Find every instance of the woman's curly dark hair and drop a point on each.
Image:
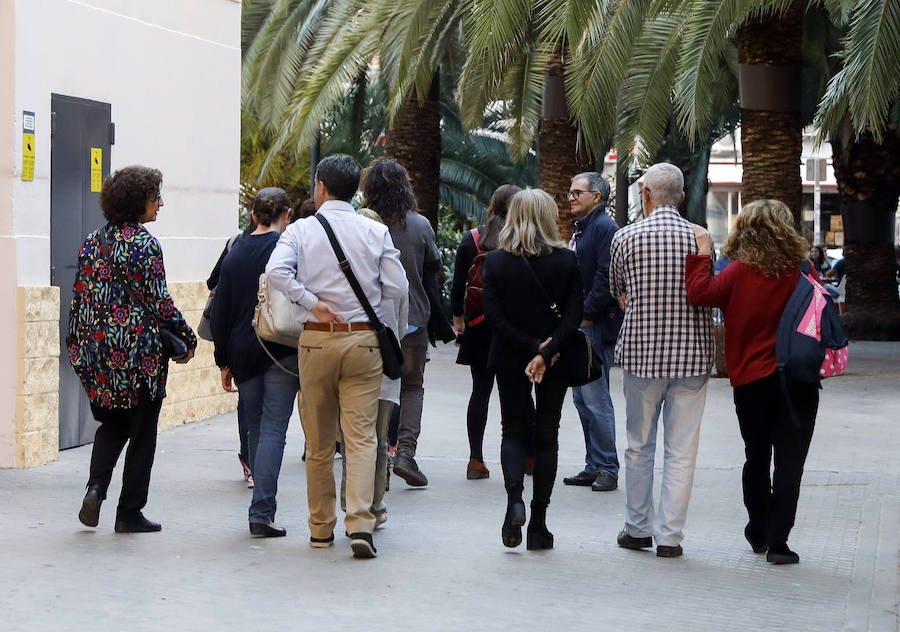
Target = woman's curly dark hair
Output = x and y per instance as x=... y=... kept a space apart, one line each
x=270 y=204
x=126 y=192
x=388 y=192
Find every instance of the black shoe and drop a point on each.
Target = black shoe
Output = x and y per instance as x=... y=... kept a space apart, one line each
x=757 y=546
x=511 y=532
x=406 y=468
x=90 y=507
x=605 y=482
x=538 y=536
x=362 y=546
x=137 y=525
x=781 y=554
x=669 y=551
x=267 y=530
x=630 y=542
x=321 y=543
x=582 y=479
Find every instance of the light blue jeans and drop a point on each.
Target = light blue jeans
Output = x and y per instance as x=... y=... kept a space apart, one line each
x=595 y=408
x=681 y=401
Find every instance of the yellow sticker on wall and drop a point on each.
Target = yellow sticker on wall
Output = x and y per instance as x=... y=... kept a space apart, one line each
x=27 y=157
x=96 y=169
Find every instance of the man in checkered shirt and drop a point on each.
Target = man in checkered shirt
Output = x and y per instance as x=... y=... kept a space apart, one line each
x=666 y=351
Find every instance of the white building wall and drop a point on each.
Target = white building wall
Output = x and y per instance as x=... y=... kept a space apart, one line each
x=171 y=71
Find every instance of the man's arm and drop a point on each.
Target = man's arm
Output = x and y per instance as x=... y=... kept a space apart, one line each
x=391 y=273
x=282 y=270
x=617 y=267
x=599 y=298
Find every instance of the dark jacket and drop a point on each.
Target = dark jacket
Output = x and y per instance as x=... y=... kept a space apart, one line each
x=593 y=236
x=519 y=315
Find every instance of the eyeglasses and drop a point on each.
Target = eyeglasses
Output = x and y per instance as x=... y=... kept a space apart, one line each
x=159 y=200
x=574 y=193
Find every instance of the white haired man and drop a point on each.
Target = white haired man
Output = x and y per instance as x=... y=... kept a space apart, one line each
x=666 y=351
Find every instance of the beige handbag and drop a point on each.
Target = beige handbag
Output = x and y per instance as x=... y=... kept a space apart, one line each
x=276 y=318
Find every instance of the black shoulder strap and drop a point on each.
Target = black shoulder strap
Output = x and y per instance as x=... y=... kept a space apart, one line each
x=553 y=306
x=348 y=272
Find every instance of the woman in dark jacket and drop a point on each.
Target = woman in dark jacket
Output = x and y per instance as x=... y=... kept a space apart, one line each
x=527 y=338
x=114 y=342
x=752 y=292
x=475 y=332
x=266 y=376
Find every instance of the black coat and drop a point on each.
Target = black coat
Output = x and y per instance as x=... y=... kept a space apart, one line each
x=519 y=314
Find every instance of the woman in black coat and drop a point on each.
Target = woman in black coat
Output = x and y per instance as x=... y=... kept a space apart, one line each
x=470 y=324
x=531 y=265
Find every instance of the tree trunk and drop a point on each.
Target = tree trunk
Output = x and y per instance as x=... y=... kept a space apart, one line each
x=769 y=54
x=558 y=159
x=868 y=177
x=415 y=142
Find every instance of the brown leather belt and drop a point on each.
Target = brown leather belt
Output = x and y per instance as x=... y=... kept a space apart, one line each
x=343 y=327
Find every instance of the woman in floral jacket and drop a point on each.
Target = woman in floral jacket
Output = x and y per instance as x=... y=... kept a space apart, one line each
x=114 y=342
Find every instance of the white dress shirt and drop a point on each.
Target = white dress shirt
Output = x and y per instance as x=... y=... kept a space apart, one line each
x=303 y=265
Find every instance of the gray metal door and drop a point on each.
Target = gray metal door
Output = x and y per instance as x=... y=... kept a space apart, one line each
x=78 y=127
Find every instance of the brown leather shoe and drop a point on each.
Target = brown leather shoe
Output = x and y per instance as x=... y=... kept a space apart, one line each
x=477 y=469
x=668 y=551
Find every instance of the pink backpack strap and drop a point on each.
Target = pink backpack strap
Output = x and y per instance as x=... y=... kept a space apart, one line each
x=474 y=232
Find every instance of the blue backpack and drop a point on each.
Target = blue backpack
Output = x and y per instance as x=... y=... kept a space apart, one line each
x=810 y=343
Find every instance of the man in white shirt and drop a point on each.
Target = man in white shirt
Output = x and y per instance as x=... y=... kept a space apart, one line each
x=339 y=356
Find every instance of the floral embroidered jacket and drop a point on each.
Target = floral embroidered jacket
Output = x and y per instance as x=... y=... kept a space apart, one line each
x=113 y=344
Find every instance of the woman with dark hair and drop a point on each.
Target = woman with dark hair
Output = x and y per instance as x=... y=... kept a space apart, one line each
x=388 y=192
x=533 y=302
x=266 y=376
x=121 y=302
x=819 y=259
x=470 y=325
x=752 y=291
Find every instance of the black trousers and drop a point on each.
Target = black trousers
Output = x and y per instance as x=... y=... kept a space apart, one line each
x=477 y=412
x=768 y=426
x=523 y=418
x=137 y=427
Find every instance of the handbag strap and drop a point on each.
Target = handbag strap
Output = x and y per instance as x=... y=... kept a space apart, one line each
x=553 y=306
x=348 y=272
x=273 y=358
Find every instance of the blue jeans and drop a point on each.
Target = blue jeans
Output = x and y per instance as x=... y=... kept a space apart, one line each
x=268 y=403
x=595 y=408
x=681 y=401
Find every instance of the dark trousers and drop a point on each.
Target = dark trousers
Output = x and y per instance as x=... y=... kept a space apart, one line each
x=137 y=427
x=476 y=414
x=520 y=417
x=767 y=425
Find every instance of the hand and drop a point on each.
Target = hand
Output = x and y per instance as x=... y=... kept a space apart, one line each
x=459 y=325
x=227 y=382
x=187 y=358
x=704 y=241
x=622 y=298
x=324 y=314
x=535 y=369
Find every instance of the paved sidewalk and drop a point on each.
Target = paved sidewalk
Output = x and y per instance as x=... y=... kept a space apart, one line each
x=441 y=565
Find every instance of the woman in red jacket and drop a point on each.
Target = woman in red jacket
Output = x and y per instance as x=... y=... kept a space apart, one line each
x=752 y=292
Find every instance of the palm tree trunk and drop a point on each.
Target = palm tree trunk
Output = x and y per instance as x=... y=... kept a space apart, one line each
x=769 y=54
x=558 y=158
x=415 y=142
x=868 y=177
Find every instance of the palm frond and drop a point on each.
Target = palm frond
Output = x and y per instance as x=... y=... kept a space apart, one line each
x=524 y=87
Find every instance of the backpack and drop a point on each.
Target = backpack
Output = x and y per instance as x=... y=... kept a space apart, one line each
x=810 y=343
x=475 y=285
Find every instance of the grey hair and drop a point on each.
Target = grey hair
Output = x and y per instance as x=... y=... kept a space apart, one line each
x=596 y=182
x=665 y=182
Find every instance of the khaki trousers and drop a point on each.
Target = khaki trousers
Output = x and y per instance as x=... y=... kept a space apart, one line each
x=341 y=383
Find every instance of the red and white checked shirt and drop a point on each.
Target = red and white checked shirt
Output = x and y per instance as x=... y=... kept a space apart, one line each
x=663 y=335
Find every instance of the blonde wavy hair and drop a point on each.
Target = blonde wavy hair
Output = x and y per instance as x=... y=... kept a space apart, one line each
x=530 y=227
x=764 y=238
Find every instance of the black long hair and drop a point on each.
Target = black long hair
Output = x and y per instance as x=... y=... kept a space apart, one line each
x=497 y=209
x=388 y=191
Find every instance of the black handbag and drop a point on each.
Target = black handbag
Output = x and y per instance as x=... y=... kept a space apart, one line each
x=577 y=356
x=172 y=345
x=391 y=355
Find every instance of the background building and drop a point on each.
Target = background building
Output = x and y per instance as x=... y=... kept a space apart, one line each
x=88 y=86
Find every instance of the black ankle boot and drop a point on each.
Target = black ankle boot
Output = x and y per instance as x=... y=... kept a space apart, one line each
x=511 y=533
x=538 y=536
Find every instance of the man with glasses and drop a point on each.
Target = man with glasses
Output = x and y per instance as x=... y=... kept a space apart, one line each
x=591 y=238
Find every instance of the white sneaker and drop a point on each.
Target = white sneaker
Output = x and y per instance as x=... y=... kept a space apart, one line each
x=380 y=519
x=250 y=482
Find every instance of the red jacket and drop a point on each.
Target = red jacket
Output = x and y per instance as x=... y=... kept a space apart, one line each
x=752 y=305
